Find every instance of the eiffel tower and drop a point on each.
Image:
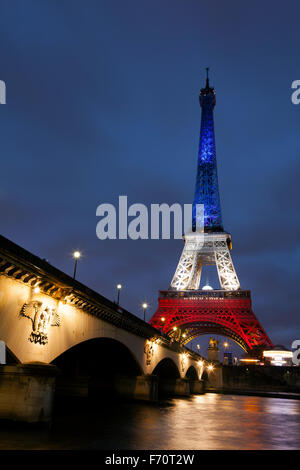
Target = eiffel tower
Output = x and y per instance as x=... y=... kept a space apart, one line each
x=184 y=311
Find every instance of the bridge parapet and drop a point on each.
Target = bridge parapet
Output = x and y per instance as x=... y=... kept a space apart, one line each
x=23 y=267
x=19 y=264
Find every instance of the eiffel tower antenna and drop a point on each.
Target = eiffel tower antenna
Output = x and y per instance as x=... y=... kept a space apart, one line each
x=207 y=77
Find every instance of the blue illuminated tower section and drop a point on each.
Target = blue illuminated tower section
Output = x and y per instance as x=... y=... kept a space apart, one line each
x=207 y=188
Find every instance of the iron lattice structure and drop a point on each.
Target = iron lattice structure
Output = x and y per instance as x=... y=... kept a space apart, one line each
x=202 y=249
x=189 y=314
x=184 y=311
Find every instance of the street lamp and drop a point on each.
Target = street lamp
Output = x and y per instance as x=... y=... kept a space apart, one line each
x=198 y=346
x=76 y=256
x=161 y=324
x=119 y=287
x=225 y=345
x=145 y=306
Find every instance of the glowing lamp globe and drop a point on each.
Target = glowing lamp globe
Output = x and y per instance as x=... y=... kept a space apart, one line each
x=207 y=287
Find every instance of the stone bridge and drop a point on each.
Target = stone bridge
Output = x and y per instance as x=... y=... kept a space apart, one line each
x=51 y=322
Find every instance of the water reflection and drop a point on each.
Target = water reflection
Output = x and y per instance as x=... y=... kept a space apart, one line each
x=208 y=421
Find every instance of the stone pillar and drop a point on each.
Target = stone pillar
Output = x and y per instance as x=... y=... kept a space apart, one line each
x=167 y=386
x=27 y=392
x=182 y=387
x=142 y=387
x=196 y=386
x=215 y=378
x=174 y=387
x=146 y=388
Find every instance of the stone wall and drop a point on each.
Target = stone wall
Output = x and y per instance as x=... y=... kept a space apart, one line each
x=26 y=392
x=262 y=378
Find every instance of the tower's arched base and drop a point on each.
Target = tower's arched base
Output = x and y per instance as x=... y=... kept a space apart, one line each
x=194 y=313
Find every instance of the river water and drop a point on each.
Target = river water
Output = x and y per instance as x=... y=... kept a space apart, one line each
x=209 y=421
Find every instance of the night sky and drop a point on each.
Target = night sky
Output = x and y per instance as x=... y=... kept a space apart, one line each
x=102 y=101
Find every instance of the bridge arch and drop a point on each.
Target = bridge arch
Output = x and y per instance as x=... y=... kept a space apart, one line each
x=191 y=373
x=102 y=352
x=166 y=368
x=11 y=358
x=205 y=378
x=94 y=366
x=168 y=374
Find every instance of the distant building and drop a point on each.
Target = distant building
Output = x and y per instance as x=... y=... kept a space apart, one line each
x=249 y=361
x=227 y=359
x=278 y=356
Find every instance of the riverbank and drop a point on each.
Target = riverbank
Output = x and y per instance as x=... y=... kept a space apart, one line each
x=256 y=393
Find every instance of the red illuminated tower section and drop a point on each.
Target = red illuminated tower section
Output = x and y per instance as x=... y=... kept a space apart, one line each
x=184 y=311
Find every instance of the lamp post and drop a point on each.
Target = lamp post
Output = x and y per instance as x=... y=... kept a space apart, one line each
x=119 y=287
x=76 y=256
x=145 y=306
x=162 y=321
x=226 y=359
